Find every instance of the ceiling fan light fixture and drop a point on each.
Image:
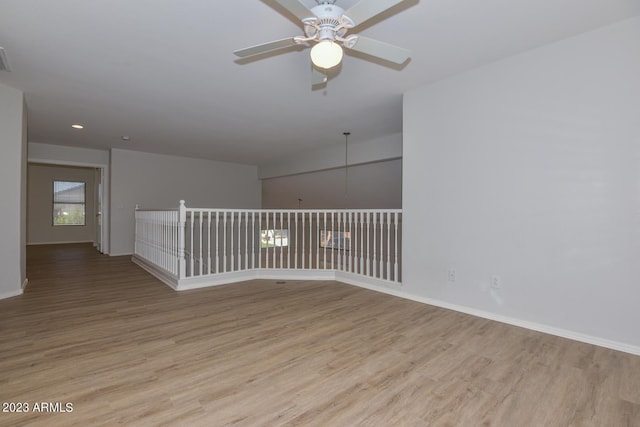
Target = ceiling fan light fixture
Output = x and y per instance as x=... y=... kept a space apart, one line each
x=326 y=54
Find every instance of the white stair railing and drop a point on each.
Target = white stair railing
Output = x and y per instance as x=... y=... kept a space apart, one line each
x=188 y=243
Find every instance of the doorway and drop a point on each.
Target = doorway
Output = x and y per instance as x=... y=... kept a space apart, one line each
x=75 y=190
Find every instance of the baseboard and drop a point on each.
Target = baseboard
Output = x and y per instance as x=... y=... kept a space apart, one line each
x=59 y=243
x=253 y=274
x=367 y=282
x=165 y=278
x=25 y=283
x=551 y=330
x=217 y=280
x=292 y=274
x=11 y=294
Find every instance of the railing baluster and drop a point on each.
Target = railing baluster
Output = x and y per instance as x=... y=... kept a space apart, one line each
x=396 y=249
x=289 y=239
x=259 y=233
x=387 y=276
x=317 y=233
x=159 y=237
x=266 y=251
x=281 y=227
x=191 y=225
x=376 y=255
x=337 y=237
x=310 y=240
x=239 y=258
x=303 y=241
x=224 y=242
x=275 y=225
x=153 y=238
x=324 y=243
x=231 y=232
x=209 y=242
x=368 y=245
x=344 y=241
x=295 y=264
x=167 y=239
x=217 y=242
x=246 y=240
x=350 y=269
x=200 y=244
x=181 y=224
x=381 y=247
x=253 y=239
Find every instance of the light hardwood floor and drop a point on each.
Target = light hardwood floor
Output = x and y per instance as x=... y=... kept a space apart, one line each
x=102 y=334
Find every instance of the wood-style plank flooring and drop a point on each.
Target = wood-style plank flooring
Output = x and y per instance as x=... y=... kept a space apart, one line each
x=124 y=349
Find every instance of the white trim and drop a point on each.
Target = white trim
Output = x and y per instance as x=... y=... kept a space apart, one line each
x=564 y=333
x=217 y=280
x=292 y=274
x=11 y=294
x=60 y=243
x=366 y=282
x=280 y=274
x=165 y=278
x=25 y=283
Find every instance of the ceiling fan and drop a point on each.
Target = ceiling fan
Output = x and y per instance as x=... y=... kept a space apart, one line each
x=325 y=26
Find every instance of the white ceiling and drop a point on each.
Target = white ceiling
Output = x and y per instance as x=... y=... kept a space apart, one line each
x=163 y=72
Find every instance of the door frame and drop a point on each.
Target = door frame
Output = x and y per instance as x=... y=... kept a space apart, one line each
x=104 y=176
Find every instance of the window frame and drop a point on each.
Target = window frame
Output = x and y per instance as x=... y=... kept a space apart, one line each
x=279 y=240
x=54 y=203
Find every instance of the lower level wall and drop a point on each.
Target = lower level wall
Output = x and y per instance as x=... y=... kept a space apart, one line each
x=160 y=181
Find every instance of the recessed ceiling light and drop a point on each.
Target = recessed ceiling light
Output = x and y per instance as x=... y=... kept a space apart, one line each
x=77 y=126
x=126 y=138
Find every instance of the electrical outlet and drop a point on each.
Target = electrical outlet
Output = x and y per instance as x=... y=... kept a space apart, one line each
x=451 y=275
x=496 y=281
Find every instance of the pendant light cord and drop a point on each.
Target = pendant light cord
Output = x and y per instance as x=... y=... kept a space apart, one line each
x=346 y=167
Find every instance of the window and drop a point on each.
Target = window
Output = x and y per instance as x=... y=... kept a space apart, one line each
x=274 y=238
x=335 y=240
x=68 y=203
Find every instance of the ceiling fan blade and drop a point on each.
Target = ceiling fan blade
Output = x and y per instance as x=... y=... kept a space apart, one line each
x=296 y=8
x=317 y=77
x=380 y=49
x=367 y=9
x=265 y=47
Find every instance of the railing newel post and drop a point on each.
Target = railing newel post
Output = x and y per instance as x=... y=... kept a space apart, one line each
x=182 y=219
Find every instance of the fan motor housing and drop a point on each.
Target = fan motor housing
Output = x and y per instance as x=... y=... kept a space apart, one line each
x=329 y=22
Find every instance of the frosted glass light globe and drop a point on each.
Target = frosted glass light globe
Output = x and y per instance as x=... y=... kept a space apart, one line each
x=326 y=54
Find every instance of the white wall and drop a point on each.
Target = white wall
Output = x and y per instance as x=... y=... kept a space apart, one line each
x=371 y=185
x=40 y=228
x=12 y=189
x=159 y=181
x=529 y=168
